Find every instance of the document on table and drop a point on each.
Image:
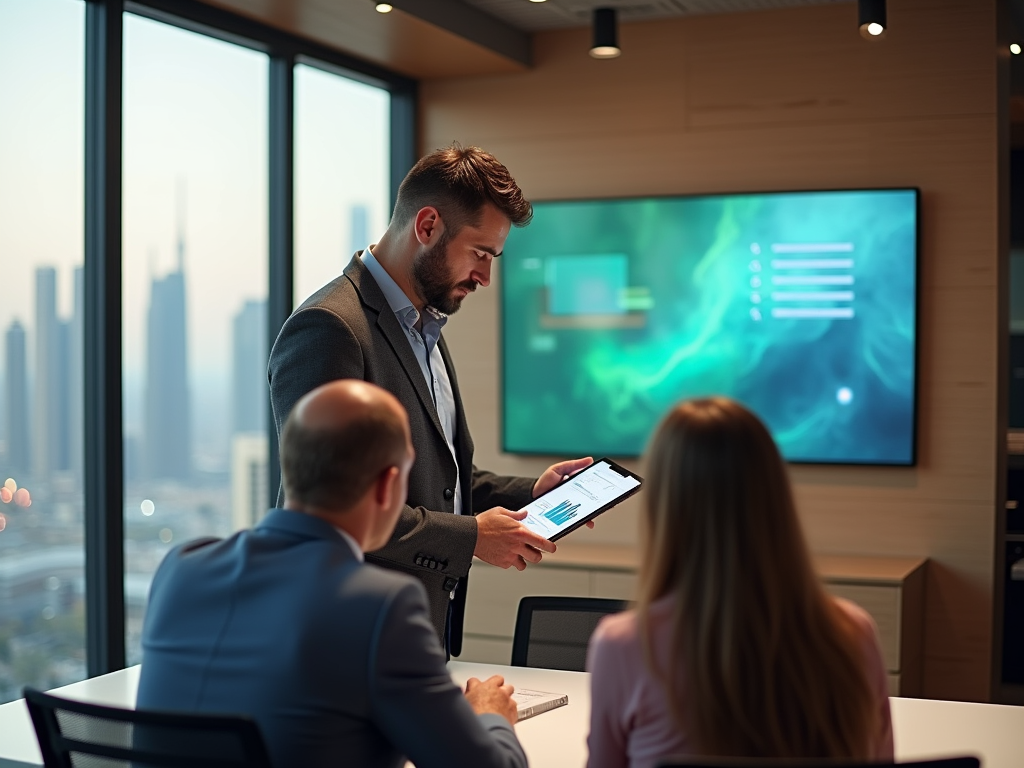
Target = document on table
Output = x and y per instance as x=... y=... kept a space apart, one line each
x=530 y=702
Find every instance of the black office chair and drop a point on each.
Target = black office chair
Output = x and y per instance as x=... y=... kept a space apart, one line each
x=73 y=734
x=704 y=762
x=553 y=632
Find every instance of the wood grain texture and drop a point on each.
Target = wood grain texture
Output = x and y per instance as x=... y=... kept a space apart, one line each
x=912 y=607
x=877 y=571
x=397 y=41
x=893 y=684
x=883 y=604
x=794 y=99
x=887 y=588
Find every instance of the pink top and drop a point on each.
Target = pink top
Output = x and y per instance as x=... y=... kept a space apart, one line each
x=630 y=720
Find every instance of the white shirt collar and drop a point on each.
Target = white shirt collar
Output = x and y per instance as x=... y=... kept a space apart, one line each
x=401 y=304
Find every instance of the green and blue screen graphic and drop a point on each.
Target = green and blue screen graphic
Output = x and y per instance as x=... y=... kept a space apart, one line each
x=800 y=305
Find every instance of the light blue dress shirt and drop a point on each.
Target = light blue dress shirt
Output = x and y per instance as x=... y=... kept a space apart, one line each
x=424 y=349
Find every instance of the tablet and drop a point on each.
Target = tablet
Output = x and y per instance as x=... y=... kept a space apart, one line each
x=580 y=498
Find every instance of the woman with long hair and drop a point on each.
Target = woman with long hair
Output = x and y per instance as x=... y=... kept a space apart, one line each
x=734 y=648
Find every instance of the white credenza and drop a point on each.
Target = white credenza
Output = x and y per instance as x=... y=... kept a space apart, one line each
x=890 y=589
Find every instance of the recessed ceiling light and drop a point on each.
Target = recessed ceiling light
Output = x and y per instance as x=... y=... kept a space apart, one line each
x=538 y=1
x=385 y=7
x=1014 y=48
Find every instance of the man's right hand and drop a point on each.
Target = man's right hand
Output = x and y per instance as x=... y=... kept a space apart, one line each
x=503 y=541
x=492 y=696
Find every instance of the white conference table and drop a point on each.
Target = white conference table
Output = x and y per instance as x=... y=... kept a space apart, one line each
x=557 y=739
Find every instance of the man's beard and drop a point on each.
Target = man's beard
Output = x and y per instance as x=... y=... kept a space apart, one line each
x=432 y=278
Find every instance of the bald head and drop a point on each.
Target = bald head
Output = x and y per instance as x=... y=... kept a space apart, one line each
x=338 y=440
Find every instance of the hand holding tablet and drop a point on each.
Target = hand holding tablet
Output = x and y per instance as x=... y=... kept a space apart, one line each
x=581 y=498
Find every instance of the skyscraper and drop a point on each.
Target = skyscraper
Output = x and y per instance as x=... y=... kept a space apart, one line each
x=62 y=404
x=19 y=453
x=250 y=482
x=249 y=390
x=46 y=422
x=360 y=230
x=76 y=379
x=167 y=432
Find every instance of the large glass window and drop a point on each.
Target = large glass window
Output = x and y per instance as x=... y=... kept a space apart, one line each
x=42 y=626
x=194 y=303
x=342 y=160
x=195 y=288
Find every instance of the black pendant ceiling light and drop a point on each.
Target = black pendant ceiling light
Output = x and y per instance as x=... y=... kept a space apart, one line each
x=606 y=34
x=871 y=17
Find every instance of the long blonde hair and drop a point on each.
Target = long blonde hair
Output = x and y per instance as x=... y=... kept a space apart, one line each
x=772 y=667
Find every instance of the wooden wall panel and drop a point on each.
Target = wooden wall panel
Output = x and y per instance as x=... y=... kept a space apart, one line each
x=793 y=99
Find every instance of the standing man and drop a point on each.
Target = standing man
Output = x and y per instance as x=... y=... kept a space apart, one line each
x=381 y=321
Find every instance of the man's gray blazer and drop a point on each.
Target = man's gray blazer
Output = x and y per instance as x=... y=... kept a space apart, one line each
x=335 y=659
x=347 y=330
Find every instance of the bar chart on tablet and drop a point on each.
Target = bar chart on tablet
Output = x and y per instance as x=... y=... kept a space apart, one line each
x=579 y=496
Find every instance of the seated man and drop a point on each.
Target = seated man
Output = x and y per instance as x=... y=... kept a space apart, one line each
x=334 y=658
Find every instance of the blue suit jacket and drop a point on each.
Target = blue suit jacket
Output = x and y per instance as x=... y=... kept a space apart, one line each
x=335 y=659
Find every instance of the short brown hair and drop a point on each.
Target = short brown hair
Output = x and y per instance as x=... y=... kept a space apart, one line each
x=334 y=467
x=458 y=181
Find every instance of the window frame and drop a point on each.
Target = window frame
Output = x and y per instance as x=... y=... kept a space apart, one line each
x=104 y=440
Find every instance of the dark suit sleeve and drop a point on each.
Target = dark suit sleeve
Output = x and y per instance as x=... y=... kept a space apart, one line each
x=491 y=490
x=416 y=704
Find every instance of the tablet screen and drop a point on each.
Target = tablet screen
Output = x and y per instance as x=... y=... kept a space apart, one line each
x=597 y=486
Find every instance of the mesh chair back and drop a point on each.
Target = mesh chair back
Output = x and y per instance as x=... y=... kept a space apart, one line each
x=553 y=632
x=704 y=762
x=74 y=734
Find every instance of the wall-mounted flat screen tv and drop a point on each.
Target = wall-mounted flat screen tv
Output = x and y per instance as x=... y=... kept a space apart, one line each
x=801 y=305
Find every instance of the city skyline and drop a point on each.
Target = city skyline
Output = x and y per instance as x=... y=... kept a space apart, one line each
x=43 y=412
x=45 y=420
x=171 y=395
x=194 y=115
x=194 y=110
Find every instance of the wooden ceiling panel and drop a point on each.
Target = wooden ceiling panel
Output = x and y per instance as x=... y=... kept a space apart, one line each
x=397 y=41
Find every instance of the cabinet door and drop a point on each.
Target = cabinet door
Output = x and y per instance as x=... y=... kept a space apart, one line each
x=893 y=682
x=883 y=604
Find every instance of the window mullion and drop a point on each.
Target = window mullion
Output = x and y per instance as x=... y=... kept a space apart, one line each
x=104 y=481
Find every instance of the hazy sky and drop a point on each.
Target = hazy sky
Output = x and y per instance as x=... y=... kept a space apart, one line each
x=41 y=148
x=341 y=159
x=195 y=119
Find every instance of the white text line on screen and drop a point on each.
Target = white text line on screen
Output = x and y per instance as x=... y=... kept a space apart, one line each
x=812 y=247
x=812 y=280
x=812 y=263
x=812 y=296
x=808 y=312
